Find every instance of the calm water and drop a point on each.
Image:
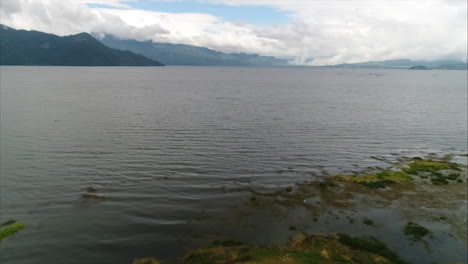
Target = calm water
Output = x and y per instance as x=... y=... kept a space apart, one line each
x=174 y=148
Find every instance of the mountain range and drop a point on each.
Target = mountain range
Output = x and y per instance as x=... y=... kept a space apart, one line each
x=21 y=47
x=180 y=54
x=407 y=64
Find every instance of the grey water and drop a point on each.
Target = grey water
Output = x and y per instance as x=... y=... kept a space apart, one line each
x=175 y=149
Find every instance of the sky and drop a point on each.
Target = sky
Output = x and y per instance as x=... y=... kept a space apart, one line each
x=307 y=32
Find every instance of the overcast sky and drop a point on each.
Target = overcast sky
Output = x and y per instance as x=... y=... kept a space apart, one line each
x=306 y=31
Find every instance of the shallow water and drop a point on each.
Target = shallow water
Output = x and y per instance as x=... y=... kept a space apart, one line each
x=173 y=149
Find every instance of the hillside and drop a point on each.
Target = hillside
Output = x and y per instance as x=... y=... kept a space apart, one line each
x=21 y=47
x=180 y=54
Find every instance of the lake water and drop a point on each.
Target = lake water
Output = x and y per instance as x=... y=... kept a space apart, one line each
x=174 y=149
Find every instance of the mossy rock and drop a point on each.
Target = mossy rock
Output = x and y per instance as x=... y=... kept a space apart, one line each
x=10 y=227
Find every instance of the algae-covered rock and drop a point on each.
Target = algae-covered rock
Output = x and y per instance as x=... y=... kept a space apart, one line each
x=10 y=227
x=303 y=249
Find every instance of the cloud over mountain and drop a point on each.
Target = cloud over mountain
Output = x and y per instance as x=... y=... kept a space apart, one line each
x=329 y=32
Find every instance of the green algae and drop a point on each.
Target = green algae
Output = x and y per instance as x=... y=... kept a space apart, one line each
x=377 y=184
x=377 y=180
x=440 y=172
x=371 y=244
x=416 y=231
x=430 y=166
x=10 y=227
x=302 y=249
x=379 y=176
x=327 y=183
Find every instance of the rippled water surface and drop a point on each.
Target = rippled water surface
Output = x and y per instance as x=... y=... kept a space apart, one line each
x=175 y=149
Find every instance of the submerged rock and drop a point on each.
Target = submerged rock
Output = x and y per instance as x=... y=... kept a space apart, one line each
x=92 y=194
x=416 y=231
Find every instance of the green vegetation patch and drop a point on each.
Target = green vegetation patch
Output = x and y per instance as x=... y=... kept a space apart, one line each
x=10 y=227
x=439 y=171
x=416 y=231
x=430 y=166
x=377 y=180
x=303 y=249
x=370 y=244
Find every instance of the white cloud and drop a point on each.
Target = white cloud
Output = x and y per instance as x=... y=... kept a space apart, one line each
x=329 y=31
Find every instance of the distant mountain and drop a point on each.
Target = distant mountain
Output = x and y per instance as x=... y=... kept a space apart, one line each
x=407 y=64
x=419 y=67
x=180 y=54
x=21 y=47
x=454 y=66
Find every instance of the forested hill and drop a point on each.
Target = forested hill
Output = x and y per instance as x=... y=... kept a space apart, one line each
x=21 y=47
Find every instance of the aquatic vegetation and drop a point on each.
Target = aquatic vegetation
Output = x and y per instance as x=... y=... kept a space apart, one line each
x=377 y=180
x=440 y=171
x=416 y=231
x=379 y=176
x=430 y=166
x=302 y=249
x=453 y=176
x=149 y=260
x=370 y=244
x=10 y=227
x=327 y=183
x=288 y=189
x=377 y=184
x=439 y=180
x=329 y=194
x=368 y=221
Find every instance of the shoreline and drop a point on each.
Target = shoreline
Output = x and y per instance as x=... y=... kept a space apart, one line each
x=425 y=195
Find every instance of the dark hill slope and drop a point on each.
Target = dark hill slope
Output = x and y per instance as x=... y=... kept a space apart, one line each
x=188 y=55
x=21 y=47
